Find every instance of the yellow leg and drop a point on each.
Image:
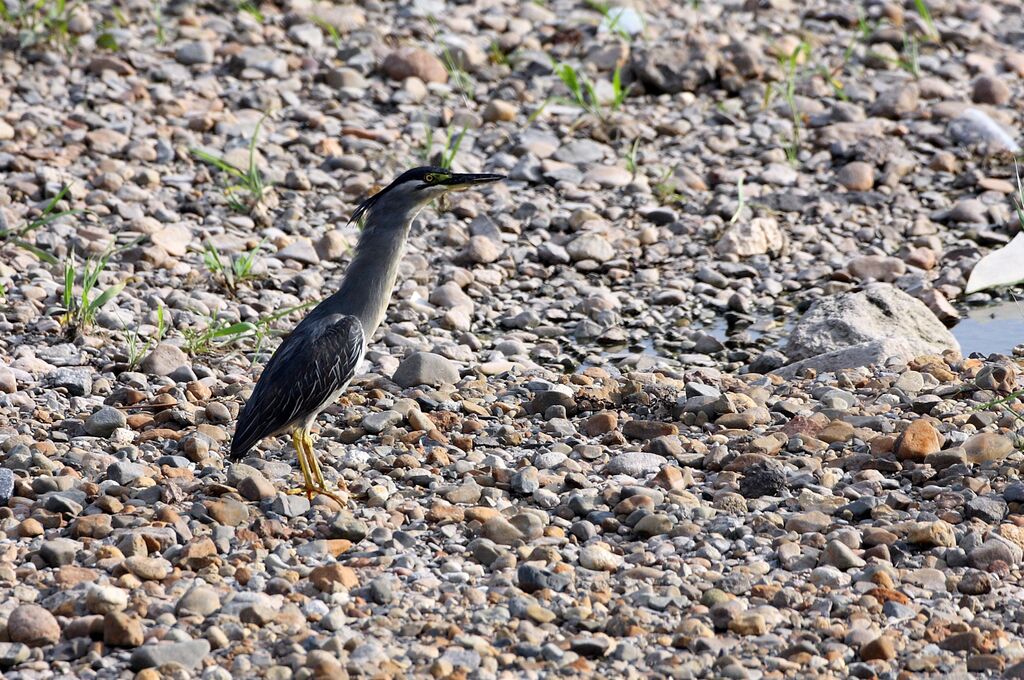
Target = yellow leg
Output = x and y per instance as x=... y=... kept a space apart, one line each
x=316 y=472
x=300 y=452
x=316 y=475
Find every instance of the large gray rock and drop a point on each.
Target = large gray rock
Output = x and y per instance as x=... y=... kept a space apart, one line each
x=675 y=69
x=105 y=421
x=187 y=654
x=871 y=326
x=635 y=464
x=164 y=360
x=77 y=381
x=425 y=368
x=759 y=236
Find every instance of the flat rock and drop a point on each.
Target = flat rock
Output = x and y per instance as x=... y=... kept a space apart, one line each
x=188 y=654
x=425 y=368
x=635 y=464
x=875 y=325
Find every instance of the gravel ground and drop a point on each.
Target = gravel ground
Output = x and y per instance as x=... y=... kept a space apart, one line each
x=675 y=400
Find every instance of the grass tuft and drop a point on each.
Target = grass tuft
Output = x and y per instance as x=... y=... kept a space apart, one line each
x=219 y=334
x=49 y=214
x=584 y=92
x=83 y=302
x=248 y=183
x=39 y=22
x=227 y=271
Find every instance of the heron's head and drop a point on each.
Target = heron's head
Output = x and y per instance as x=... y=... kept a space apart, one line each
x=399 y=201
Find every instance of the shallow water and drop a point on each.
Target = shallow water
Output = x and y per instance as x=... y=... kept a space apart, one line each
x=995 y=328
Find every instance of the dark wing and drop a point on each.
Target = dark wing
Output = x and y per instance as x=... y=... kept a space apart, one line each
x=314 y=362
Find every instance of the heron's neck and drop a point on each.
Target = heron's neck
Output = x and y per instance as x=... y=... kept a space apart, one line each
x=370 y=278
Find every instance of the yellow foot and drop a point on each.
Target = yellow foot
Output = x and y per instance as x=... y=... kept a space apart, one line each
x=314 y=478
x=313 y=491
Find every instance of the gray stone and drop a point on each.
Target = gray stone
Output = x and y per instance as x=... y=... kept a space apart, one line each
x=105 y=421
x=484 y=550
x=897 y=101
x=13 y=653
x=867 y=327
x=526 y=480
x=77 y=381
x=309 y=35
x=290 y=505
x=635 y=464
x=590 y=247
x=839 y=555
x=995 y=548
x=1013 y=493
x=58 y=552
x=989 y=509
x=301 y=250
x=125 y=472
x=375 y=423
x=186 y=654
x=6 y=485
x=763 y=480
x=975 y=127
x=581 y=152
x=164 y=360
x=193 y=53
x=675 y=69
x=425 y=368
x=552 y=253
x=348 y=527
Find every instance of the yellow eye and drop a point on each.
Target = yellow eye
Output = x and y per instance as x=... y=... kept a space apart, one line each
x=429 y=178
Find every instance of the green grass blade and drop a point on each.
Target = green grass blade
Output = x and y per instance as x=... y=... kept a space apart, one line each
x=267 y=320
x=37 y=251
x=235 y=329
x=106 y=296
x=68 y=295
x=217 y=162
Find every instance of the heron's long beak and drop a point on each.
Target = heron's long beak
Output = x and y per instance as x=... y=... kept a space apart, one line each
x=459 y=182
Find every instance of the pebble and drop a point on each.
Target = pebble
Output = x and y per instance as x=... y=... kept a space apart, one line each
x=986 y=447
x=989 y=89
x=918 y=441
x=590 y=247
x=881 y=648
x=164 y=359
x=122 y=630
x=106 y=599
x=105 y=421
x=192 y=53
x=32 y=625
x=598 y=557
x=6 y=484
x=857 y=176
x=414 y=62
x=499 y=111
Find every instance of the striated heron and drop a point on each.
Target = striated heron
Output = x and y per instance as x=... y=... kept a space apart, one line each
x=316 y=362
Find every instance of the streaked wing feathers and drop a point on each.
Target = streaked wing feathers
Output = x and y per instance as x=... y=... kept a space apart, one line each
x=312 y=364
